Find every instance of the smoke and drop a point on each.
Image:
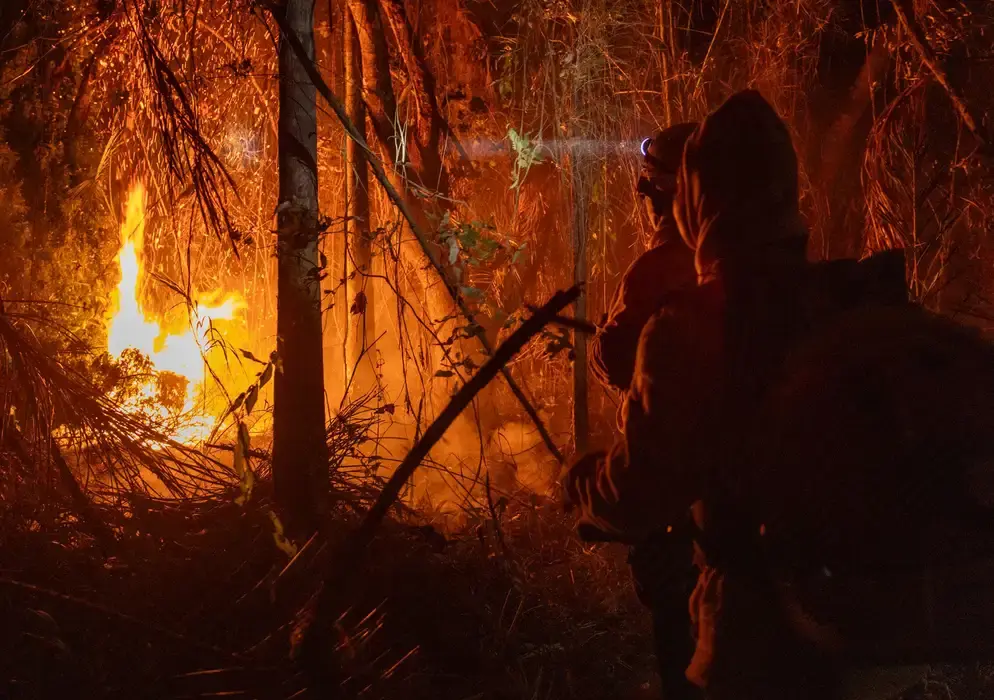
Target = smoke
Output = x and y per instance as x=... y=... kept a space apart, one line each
x=558 y=149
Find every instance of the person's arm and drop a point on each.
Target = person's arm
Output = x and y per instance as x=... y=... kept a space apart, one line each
x=653 y=474
x=650 y=281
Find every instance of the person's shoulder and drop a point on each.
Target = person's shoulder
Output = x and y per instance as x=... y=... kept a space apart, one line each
x=694 y=310
x=667 y=261
x=670 y=252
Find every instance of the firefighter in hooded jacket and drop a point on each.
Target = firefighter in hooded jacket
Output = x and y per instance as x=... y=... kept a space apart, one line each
x=661 y=562
x=704 y=361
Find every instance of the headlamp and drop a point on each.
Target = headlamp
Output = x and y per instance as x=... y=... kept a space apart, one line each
x=644 y=147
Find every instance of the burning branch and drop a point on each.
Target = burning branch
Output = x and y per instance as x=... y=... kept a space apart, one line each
x=336 y=105
x=343 y=567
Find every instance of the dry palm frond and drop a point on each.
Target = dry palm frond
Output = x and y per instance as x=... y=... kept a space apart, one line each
x=59 y=411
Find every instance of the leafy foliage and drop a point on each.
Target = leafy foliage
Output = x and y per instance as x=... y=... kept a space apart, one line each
x=527 y=154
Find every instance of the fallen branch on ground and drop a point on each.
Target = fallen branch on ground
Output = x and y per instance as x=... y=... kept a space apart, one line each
x=343 y=568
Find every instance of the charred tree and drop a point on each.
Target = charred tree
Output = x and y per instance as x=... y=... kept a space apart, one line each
x=360 y=373
x=299 y=449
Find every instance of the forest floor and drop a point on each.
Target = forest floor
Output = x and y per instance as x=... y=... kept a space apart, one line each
x=189 y=604
x=186 y=607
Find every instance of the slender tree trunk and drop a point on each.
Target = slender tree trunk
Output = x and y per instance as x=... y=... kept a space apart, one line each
x=360 y=372
x=380 y=100
x=299 y=449
x=377 y=88
x=579 y=174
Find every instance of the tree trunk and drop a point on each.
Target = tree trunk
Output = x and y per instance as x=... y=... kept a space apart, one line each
x=299 y=449
x=360 y=369
x=579 y=175
x=377 y=88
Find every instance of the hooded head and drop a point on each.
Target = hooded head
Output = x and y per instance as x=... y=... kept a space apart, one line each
x=661 y=158
x=737 y=189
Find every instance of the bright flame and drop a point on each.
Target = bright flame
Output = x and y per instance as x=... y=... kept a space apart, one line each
x=181 y=354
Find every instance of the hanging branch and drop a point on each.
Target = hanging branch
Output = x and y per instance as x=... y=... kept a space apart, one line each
x=187 y=152
x=905 y=14
x=336 y=105
x=344 y=567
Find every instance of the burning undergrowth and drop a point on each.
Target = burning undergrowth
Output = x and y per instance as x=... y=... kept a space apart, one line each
x=175 y=365
x=137 y=565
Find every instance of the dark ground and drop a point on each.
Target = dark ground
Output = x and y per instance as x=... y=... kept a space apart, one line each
x=188 y=591
x=186 y=608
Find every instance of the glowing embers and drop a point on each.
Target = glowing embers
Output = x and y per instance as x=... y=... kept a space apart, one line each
x=133 y=338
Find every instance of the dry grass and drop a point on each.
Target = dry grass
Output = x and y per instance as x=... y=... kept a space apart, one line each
x=184 y=608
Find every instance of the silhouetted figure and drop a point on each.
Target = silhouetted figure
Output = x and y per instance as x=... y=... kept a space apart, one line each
x=667 y=267
x=705 y=361
x=662 y=567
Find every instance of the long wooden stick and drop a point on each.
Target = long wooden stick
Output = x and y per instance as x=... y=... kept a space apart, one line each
x=374 y=162
x=347 y=564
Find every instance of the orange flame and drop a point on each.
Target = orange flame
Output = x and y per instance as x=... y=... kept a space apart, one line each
x=183 y=354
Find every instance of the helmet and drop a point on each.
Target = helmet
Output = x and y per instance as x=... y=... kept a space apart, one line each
x=663 y=152
x=662 y=156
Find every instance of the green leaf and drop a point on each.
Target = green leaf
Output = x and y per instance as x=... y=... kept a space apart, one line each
x=242 y=466
x=280 y=538
x=246 y=486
